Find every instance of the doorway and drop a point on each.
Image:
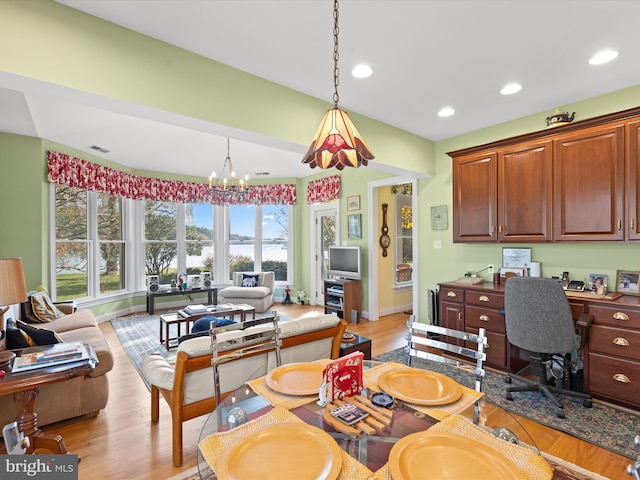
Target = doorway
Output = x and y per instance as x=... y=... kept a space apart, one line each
x=325 y=233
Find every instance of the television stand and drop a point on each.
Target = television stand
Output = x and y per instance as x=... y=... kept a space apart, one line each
x=343 y=298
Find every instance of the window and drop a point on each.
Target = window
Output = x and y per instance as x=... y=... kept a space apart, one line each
x=403 y=247
x=89 y=249
x=160 y=237
x=199 y=237
x=275 y=240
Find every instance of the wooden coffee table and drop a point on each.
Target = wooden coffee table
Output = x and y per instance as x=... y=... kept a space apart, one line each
x=25 y=388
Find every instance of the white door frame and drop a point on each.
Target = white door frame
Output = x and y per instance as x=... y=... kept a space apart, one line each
x=317 y=210
x=374 y=234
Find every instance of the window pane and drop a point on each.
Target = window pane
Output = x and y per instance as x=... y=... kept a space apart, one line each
x=71 y=270
x=275 y=221
x=160 y=220
x=241 y=238
x=199 y=241
x=112 y=267
x=161 y=225
x=71 y=213
x=159 y=260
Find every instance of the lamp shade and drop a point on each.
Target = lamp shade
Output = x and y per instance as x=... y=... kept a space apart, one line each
x=337 y=143
x=13 y=288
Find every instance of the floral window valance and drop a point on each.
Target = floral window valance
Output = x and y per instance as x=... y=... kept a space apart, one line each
x=323 y=190
x=64 y=169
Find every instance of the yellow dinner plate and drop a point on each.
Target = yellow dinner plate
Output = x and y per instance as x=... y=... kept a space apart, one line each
x=443 y=456
x=296 y=378
x=277 y=451
x=420 y=387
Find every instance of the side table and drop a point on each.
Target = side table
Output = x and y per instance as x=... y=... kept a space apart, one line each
x=359 y=344
x=25 y=388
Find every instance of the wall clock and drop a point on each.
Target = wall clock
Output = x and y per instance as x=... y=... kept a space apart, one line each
x=385 y=241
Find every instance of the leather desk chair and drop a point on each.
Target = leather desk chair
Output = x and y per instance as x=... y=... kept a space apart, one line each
x=538 y=318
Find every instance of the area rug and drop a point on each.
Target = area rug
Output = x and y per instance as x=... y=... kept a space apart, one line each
x=602 y=425
x=562 y=470
x=140 y=336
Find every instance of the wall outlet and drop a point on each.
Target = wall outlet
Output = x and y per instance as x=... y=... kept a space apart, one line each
x=490 y=270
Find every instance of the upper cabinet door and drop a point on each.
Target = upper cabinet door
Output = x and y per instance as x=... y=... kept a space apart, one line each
x=475 y=199
x=633 y=181
x=589 y=184
x=525 y=193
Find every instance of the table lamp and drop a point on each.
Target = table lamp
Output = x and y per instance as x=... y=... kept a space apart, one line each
x=13 y=289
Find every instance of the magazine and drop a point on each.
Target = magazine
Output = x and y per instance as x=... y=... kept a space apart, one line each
x=343 y=377
x=49 y=356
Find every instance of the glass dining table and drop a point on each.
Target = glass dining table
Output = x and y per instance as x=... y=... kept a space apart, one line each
x=370 y=449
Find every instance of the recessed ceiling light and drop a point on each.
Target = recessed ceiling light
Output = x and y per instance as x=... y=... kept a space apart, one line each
x=603 y=57
x=511 y=88
x=446 y=112
x=362 y=71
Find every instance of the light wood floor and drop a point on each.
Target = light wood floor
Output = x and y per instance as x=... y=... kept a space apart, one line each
x=122 y=443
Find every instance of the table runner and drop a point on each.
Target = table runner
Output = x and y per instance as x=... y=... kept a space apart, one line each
x=213 y=445
x=439 y=412
x=532 y=465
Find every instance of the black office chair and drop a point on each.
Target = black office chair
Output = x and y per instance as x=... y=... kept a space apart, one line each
x=538 y=318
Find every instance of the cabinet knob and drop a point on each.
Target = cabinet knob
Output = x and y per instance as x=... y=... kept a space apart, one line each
x=619 y=224
x=484 y=318
x=451 y=294
x=483 y=298
x=620 y=316
x=622 y=378
x=623 y=342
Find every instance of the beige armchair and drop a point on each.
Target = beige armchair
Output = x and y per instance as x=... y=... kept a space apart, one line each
x=187 y=385
x=259 y=296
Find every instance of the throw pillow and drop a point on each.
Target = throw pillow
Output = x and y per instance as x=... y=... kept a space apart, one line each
x=23 y=335
x=250 y=280
x=203 y=324
x=40 y=309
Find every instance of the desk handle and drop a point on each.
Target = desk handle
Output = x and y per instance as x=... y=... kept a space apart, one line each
x=623 y=342
x=620 y=377
x=483 y=298
x=451 y=294
x=484 y=318
x=620 y=316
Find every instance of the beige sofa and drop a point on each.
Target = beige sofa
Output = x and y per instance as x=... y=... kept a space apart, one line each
x=77 y=396
x=259 y=297
x=187 y=384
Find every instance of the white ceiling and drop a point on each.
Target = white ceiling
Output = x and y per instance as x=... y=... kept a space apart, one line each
x=426 y=54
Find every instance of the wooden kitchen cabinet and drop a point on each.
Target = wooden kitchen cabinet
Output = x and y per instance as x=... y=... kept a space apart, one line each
x=632 y=184
x=589 y=184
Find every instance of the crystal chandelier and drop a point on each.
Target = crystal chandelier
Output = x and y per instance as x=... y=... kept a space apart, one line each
x=226 y=185
x=337 y=142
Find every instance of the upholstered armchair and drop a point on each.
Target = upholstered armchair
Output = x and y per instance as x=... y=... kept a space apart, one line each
x=255 y=289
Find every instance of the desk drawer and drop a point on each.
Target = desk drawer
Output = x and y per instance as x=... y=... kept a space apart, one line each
x=454 y=295
x=615 y=316
x=478 y=317
x=486 y=300
x=615 y=341
x=496 y=349
x=614 y=378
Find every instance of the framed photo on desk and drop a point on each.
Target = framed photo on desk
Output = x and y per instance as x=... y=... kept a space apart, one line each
x=627 y=282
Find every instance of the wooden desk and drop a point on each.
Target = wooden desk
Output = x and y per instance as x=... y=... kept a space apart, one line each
x=212 y=295
x=25 y=388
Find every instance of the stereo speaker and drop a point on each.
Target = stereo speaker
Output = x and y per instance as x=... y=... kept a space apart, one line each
x=153 y=283
x=206 y=279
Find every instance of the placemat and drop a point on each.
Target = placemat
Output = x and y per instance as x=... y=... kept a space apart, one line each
x=468 y=398
x=213 y=445
x=532 y=465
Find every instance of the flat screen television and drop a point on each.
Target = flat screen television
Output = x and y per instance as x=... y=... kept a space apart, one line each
x=344 y=262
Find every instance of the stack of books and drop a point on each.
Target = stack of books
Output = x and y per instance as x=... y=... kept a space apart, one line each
x=49 y=356
x=195 y=309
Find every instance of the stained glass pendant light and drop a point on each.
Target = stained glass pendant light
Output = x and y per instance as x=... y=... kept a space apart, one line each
x=337 y=143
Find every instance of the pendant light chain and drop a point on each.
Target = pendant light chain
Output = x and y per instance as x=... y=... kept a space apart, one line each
x=336 y=55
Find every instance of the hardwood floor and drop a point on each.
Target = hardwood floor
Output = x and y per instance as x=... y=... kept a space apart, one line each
x=123 y=443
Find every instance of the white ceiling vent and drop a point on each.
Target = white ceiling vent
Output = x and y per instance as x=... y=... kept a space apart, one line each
x=98 y=149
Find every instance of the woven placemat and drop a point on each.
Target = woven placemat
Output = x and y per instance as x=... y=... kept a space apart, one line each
x=213 y=445
x=468 y=398
x=529 y=462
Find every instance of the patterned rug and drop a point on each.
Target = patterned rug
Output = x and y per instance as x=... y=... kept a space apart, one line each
x=602 y=425
x=140 y=336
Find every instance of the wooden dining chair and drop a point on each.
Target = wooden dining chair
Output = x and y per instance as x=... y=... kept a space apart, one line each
x=435 y=343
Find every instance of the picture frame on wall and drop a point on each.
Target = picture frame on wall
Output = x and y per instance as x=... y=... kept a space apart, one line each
x=354 y=225
x=353 y=202
x=627 y=282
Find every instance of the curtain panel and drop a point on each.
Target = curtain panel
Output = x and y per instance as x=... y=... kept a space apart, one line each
x=66 y=170
x=323 y=190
